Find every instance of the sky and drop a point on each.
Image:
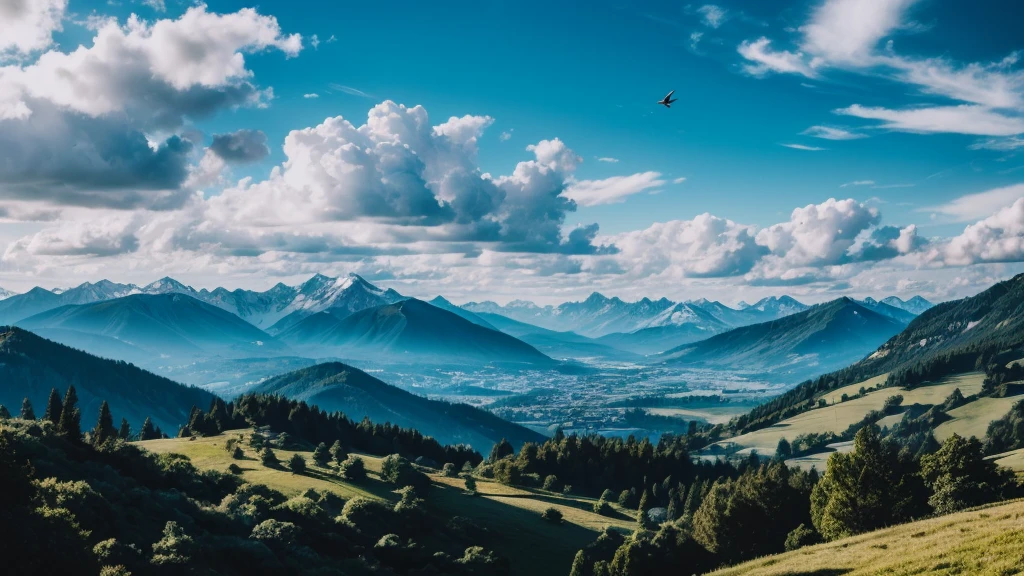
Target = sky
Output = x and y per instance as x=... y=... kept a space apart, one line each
x=516 y=150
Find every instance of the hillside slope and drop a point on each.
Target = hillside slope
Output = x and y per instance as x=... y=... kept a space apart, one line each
x=815 y=341
x=411 y=330
x=30 y=366
x=553 y=343
x=335 y=386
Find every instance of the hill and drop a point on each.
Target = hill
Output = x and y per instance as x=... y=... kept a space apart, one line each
x=553 y=343
x=30 y=366
x=338 y=387
x=982 y=541
x=444 y=304
x=815 y=341
x=166 y=325
x=411 y=330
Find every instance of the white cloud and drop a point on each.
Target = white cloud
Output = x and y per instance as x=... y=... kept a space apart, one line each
x=609 y=160
x=804 y=147
x=157 y=5
x=964 y=119
x=713 y=16
x=767 y=60
x=314 y=41
x=846 y=32
x=998 y=238
x=349 y=90
x=311 y=95
x=818 y=234
x=505 y=136
x=858 y=183
x=27 y=26
x=695 y=39
x=832 y=133
x=679 y=180
x=612 y=190
x=975 y=206
x=999 y=144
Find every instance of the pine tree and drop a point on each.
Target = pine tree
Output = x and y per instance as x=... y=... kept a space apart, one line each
x=125 y=432
x=500 y=450
x=53 y=408
x=321 y=455
x=579 y=565
x=70 y=424
x=5 y=414
x=692 y=499
x=338 y=452
x=104 y=429
x=27 y=413
x=147 y=432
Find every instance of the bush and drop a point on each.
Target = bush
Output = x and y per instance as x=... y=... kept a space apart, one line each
x=234 y=468
x=338 y=452
x=552 y=515
x=353 y=469
x=608 y=495
x=567 y=489
x=802 y=536
x=448 y=471
x=551 y=483
x=470 y=484
x=268 y=458
x=297 y=464
x=398 y=471
x=603 y=508
x=274 y=533
x=321 y=455
x=237 y=453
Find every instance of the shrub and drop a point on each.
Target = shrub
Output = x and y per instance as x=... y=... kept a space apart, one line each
x=608 y=495
x=448 y=471
x=470 y=484
x=338 y=452
x=272 y=532
x=353 y=469
x=237 y=453
x=567 y=489
x=297 y=464
x=321 y=455
x=802 y=536
x=268 y=458
x=234 y=468
x=552 y=515
x=603 y=508
x=398 y=471
x=551 y=483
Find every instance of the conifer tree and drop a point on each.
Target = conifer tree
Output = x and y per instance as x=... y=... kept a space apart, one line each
x=104 y=429
x=321 y=455
x=70 y=424
x=125 y=432
x=579 y=565
x=53 y=408
x=27 y=413
x=338 y=452
x=147 y=432
x=5 y=414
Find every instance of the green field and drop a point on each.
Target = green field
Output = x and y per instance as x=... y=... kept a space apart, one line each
x=511 y=515
x=711 y=415
x=988 y=541
x=839 y=416
x=973 y=419
x=1014 y=460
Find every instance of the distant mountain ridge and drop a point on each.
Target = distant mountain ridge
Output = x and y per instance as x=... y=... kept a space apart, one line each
x=814 y=341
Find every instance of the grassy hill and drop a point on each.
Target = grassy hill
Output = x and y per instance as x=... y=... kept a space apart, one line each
x=334 y=386
x=30 y=366
x=815 y=341
x=989 y=540
x=510 y=515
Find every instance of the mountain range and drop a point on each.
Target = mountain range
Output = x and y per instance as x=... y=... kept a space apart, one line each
x=335 y=386
x=817 y=340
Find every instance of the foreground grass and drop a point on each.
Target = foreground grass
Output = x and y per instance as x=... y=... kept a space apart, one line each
x=510 y=516
x=988 y=541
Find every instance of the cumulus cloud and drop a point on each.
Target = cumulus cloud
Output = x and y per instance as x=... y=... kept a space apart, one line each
x=27 y=26
x=113 y=235
x=998 y=238
x=311 y=95
x=612 y=190
x=819 y=234
x=241 y=146
x=847 y=31
x=974 y=206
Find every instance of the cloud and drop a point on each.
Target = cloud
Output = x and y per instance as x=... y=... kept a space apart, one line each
x=804 y=147
x=819 y=234
x=831 y=133
x=241 y=146
x=612 y=190
x=157 y=5
x=27 y=26
x=311 y=95
x=85 y=127
x=975 y=206
x=767 y=60
x=609 y=160
x=695 y=39
x=349 y=90
x=964 y=119
x=713 y=16
x=999 y=144
x=112 y=236
x=847 y=31
x=858 y=183
x=506 y=135
x=679 y=180
x=998 y=238
x=314 y=41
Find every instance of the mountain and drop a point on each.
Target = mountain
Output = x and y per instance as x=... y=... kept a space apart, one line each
x=990 y=321
x=165 y=325
x=899 y=314
x=260 y=309
x=339 y=296
x=30 y=366
x=442 y=303
x=338 y=387
x=24 y=305
x=410 y=330
x=5 y=294
x=915 y=305
x=679 y=324
x=520 y=310
x=815 y=341
x=556 y=344
x=599 y=315
x=771 y=308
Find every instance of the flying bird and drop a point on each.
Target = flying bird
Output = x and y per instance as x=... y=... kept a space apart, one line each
x=667 y=100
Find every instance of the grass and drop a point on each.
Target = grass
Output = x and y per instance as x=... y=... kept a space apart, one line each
x=711 y=415
x=973 y=419
x=1014 y=460
x=510 y=515
x=839 y=416
x=986 y=541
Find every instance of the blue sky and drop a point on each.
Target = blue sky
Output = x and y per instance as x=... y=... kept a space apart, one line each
x=901 y=106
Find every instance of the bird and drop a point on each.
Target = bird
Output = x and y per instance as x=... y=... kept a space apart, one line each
x=667 y=100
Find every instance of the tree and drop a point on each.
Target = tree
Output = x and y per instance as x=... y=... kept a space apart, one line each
x=321 y=455
x=783 y=451
x=297 y=464
x=268 y=458
x=148 y=432
x=353 y=469
x=959 y=476
x=470 y=484
x=5 y=414
x=175 y=548
x=27 y=413
x=104 y=429
x=603 y=508
x=552 y=515
x=500 y=450
x=396 y=470
x=866 y=489
x=125 y=431
x=579 y=565
x=70 y=424
x=338 y=452
x=54 y=407
x=551 y=483
x=448 y=470
x=801 y=536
